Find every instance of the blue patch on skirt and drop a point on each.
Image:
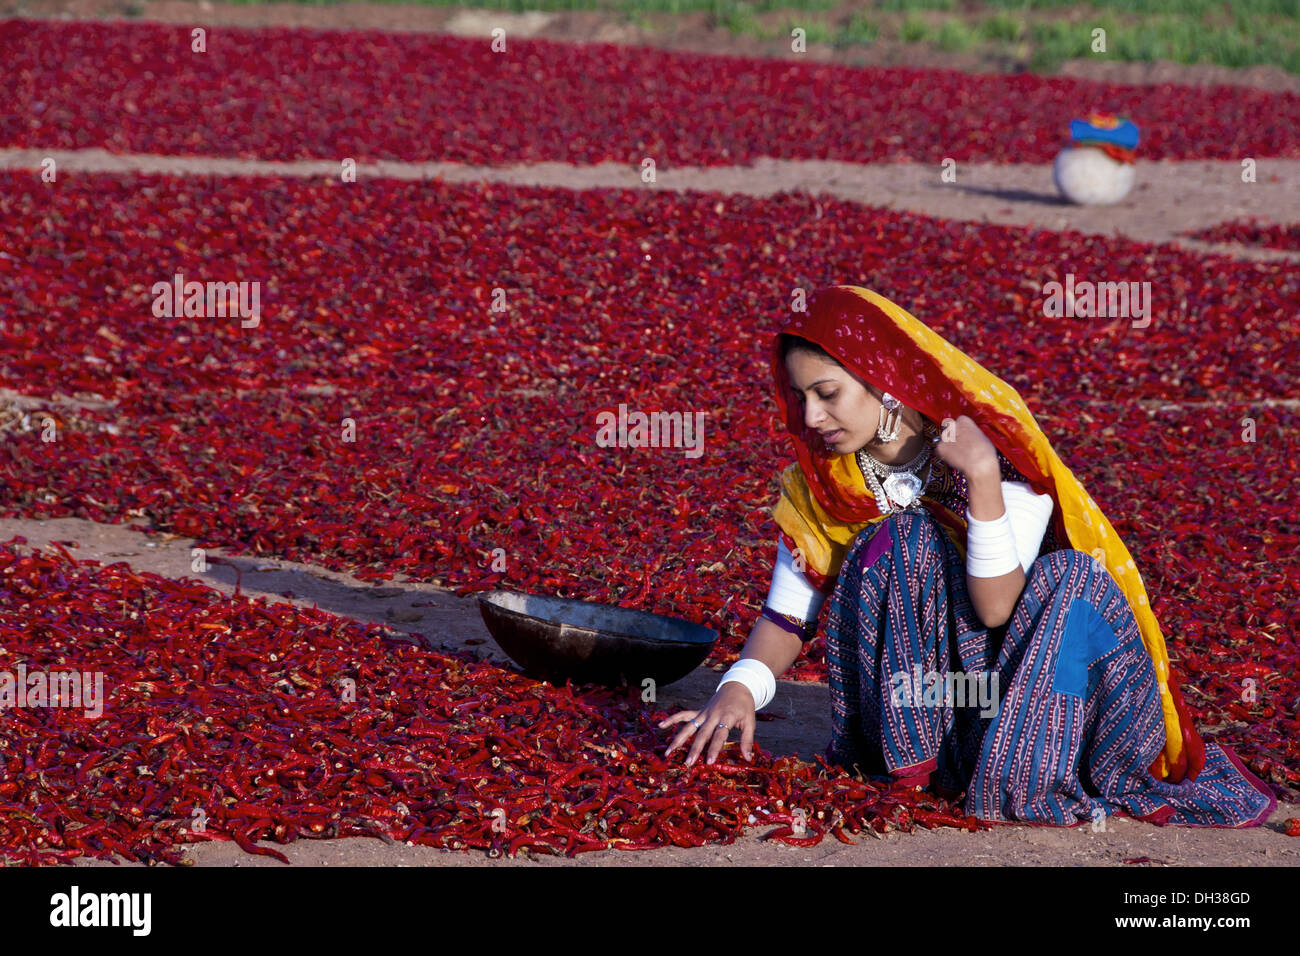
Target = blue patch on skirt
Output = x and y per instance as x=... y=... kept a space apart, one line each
x=1087 y=639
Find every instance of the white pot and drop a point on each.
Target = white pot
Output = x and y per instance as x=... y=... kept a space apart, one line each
x=1089 y=177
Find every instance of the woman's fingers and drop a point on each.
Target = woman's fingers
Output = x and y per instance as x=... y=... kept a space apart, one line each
x=718 y=740
x=732 y=708
x=747 y=737
x=963 y=445
x=713 y=734
x=708 y=719
x=678 y=717
x=701 y=739
x=682 y=715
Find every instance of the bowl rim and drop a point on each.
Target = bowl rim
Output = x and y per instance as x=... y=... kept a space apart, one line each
x=695 y=634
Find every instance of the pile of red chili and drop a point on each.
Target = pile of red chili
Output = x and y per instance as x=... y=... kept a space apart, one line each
x=1252 y=232
x=475 y=428
x=388 y=95
x=225 y=718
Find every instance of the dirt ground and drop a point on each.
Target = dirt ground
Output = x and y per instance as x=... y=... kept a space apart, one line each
x=804 y=729
x=1170 y=198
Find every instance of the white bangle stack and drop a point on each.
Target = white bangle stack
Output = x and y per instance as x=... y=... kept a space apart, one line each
x=756 y=676
x=990 y=547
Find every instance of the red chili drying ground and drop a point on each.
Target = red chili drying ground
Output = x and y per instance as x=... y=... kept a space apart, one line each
x=293 y=94
x=1252 y=232
x=475 y=429
x=231 y=719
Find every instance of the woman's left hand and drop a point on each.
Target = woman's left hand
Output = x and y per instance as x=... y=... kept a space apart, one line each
x=964 y=447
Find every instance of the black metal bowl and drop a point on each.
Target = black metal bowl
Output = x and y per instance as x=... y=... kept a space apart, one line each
x=556 y=638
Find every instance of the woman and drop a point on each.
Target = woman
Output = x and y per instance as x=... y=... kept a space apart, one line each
x=987 y=633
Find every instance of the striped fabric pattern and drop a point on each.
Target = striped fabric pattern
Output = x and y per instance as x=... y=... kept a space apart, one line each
x=1070 y=719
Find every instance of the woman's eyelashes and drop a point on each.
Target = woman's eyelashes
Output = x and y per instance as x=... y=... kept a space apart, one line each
x=803 y=399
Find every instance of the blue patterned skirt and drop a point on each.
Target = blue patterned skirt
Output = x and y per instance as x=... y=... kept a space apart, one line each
x=1051 y=718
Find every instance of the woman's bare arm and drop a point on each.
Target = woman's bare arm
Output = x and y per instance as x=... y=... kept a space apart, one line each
x=994 y=599
x=775 y=647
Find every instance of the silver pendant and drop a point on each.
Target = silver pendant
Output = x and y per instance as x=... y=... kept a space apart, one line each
x=902 y=487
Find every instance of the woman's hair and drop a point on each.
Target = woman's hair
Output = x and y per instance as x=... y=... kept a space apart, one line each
x=795 y=343
x=791 y=343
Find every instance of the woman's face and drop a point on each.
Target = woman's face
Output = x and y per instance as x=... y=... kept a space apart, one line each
x=843 y=409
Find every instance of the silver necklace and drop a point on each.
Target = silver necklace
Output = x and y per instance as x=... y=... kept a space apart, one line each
x=897 y=487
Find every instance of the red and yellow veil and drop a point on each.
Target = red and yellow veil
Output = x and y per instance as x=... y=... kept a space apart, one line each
x=825 y=501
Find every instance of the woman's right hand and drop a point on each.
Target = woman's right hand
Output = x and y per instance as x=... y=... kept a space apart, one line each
x=732 y=707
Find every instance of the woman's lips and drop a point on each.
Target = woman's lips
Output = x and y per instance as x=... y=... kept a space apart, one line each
x=831 y=437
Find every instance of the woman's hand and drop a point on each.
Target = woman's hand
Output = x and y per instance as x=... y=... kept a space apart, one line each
x=731 y=707
x=964 y=447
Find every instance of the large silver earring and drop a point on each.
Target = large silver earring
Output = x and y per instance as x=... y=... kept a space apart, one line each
x=891 y=416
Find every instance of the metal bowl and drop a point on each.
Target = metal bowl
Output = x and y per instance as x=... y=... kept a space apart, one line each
x=556 y=638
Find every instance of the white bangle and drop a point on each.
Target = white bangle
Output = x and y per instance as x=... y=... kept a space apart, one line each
x=756 y=676
x=990 y=547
